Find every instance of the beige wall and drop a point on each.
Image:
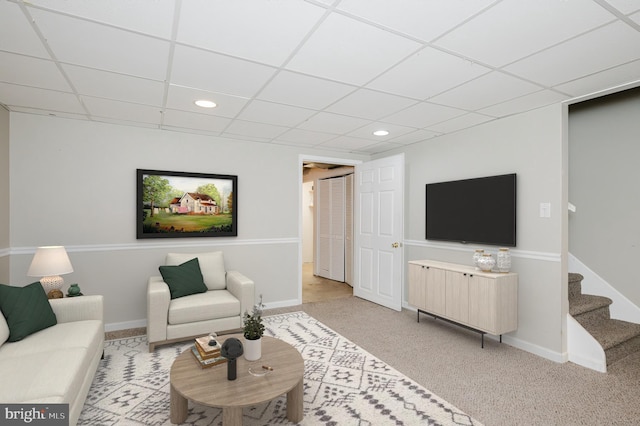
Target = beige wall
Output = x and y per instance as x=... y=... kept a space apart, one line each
x=92 y=190
x=604 y=233
x=530 y=145
x=87 y=203
x=5 y=237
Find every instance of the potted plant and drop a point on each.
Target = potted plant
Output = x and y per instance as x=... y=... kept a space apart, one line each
x=253 y=329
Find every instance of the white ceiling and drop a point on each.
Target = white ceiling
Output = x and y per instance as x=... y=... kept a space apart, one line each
x=314 y=73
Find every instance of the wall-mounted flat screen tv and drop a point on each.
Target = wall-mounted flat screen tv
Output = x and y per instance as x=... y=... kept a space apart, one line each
x=479 y=210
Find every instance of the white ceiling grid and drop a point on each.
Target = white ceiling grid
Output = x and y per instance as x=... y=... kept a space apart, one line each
x=311 y=73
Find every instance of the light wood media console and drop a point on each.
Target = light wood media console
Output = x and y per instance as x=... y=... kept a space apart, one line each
x=485 y=302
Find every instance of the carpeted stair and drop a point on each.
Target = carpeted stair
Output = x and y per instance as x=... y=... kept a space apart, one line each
x=618 y=338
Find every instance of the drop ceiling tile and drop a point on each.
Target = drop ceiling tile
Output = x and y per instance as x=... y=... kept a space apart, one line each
x=303 y=91
x=103 y=47
x=603 y=80
x=379 y=148
x=16 y=35
x=332 y=123
x=192 y=120
x=520 y=28
x=13 y=95
x=459 y=123
x=240 y=28
x=366 y=132
x=347 y=143
x=625 y=6
x=183 y=98
x=104 y=84
x=418 y=18
x=259 y=130
x=305 y=137
x=125 y=111
x=246 y=138
x=269 y=112
x=524 y=103
x=415 y=136
x=427 y=73
x=153 y=17
x=370 y=104
x=58 y=114
x=581 y=56
x=217 y=73
x=30 y=71
x=423 y=114
x=350 y=51
x=124 y=122
x=487 y=90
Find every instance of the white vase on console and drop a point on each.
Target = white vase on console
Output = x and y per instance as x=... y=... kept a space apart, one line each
x=486 y=262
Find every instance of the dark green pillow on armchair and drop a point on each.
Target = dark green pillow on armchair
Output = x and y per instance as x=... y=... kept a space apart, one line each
x=26 y=309
x=184 y=279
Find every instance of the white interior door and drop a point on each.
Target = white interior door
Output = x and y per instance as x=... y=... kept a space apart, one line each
x=379 y=229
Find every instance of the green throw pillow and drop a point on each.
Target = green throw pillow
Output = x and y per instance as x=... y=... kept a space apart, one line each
x=184 y=279
x=26 y=309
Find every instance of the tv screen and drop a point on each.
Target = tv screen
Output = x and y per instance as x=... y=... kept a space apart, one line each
x=480 y=210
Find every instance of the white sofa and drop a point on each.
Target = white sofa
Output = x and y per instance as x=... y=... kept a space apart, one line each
x=229 y=294
x=57 y=364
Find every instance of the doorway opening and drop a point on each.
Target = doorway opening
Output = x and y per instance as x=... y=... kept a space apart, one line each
x=317 y=246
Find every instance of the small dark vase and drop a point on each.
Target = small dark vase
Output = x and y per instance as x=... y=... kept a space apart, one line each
x=231 y=349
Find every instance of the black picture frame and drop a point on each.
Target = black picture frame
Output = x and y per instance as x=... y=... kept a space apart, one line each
x=184 y=205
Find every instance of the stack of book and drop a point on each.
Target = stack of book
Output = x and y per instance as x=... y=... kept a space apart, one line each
x=206 y=354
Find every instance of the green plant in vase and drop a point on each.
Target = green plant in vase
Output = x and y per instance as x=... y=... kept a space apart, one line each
x=253 y=329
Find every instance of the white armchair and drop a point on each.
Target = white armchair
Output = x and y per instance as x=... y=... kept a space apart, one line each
x=229 y=294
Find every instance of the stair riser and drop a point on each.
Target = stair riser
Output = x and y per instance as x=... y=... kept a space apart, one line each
x=575 y=289
x=593 y=317
x=622 y=350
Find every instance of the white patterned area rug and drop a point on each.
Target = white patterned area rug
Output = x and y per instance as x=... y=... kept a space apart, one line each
x=343 y=385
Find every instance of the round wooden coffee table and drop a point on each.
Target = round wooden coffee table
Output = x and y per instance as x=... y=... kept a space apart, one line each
x=210 y=387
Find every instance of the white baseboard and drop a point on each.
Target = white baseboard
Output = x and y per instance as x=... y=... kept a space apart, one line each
x=282 y=304
x=534 y=349
x=126 y=325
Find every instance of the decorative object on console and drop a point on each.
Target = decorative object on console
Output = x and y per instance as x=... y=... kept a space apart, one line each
x=50 y=262
x=253 y=330
x=486 y=262
x=231 y=349
x=503 y=260
x=477 y=255
x=74 y=290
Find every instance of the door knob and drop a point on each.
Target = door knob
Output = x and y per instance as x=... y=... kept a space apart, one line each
x=395 y=245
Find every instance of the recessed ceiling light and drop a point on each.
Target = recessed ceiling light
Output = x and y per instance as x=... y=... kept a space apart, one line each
x=381 y=132
x=203 y=103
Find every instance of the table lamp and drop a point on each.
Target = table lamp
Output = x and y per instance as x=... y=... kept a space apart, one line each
x=49 y=263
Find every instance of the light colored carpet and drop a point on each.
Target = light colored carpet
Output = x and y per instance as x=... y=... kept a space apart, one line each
x=343 y=385
x=498 y=385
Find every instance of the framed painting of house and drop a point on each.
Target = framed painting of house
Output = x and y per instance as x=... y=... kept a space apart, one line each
x=182 y=205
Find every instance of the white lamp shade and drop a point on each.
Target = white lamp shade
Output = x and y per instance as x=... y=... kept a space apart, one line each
x=51 y=260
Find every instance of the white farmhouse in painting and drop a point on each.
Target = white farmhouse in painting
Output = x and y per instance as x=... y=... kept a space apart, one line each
x=194 y=203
